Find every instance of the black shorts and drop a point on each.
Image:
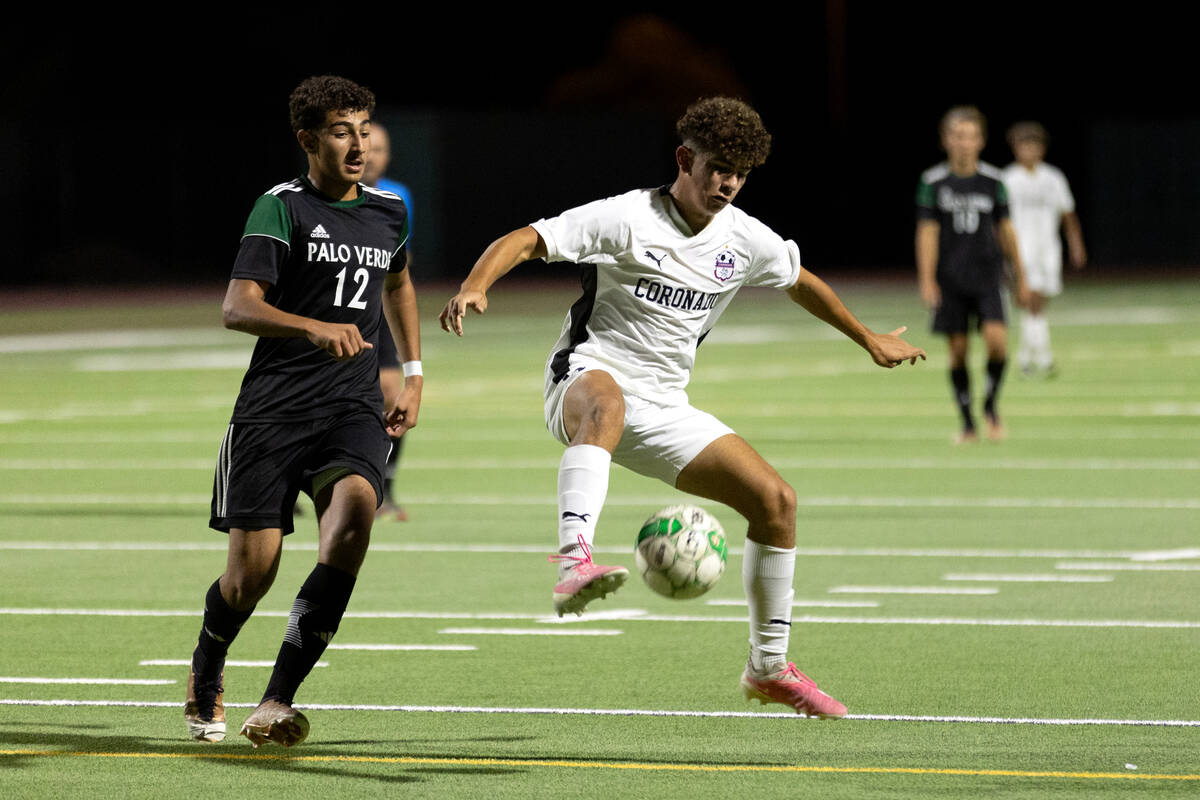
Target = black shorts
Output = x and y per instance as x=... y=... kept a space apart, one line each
x=263 y=467
x=958 y=309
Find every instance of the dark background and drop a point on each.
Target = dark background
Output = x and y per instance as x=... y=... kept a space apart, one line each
x=132 y=149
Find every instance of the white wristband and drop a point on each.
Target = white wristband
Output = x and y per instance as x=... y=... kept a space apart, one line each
x=412 y=368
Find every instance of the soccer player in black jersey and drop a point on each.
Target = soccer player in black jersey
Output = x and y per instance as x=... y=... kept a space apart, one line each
x=963 y=236
x=321 y=262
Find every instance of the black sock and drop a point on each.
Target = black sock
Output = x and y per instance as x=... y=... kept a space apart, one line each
x=219 y=629
x=995 y=372
x=962 y=395
x=315 y=617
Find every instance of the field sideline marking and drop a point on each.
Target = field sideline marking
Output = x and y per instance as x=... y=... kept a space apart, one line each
x=617 y=765
x=1140 y=566
x=233 y=662
x=643 y=617
x=1148 y=558
x=628 y=712
x=957 y=590
x=459 y=464
x=845 y=501
x=531 y=632
x=211 y=543
x=90 y=681
x=989 y=577
x=462 y=434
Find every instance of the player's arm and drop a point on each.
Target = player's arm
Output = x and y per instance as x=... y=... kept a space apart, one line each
x=1006 y=234
x=245 y=309
x=886 y=349
x=400 y=309
x=1074 y=233
x=523 y=244
x=928 y=231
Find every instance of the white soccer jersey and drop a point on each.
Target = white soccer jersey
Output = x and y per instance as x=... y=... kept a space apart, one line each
x=652 y=290
x=1037 y=201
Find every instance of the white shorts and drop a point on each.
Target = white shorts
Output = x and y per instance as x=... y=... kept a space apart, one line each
x=658 y=440
x=1044 y=276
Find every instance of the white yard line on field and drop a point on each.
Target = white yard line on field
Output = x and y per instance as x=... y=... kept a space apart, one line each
x=806 y=603
x=1167 y=555
x=89 y=681
x=529 y=632
x=847 y=501
x=463 y=431
x=911 y=590
x=551 y=464
x=1130 y=567
x=645 y=617
x=404 y=647
x=233 y=662
x=213 y=543
x=990 y=577
x=624 y=712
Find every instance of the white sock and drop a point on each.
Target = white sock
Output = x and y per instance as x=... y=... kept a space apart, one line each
x=1025 y=352
x=582 y=487
x=767 y=577
x=1041 y=355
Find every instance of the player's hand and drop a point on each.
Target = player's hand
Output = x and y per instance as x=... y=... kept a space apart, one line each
x=452 y=315
x=1024 y=296
x=341 y=340
x=931 y=294
x=889 y=350
x=403 y=414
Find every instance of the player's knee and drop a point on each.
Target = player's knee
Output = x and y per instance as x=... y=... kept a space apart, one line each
x=777 y=505
x=607 y=411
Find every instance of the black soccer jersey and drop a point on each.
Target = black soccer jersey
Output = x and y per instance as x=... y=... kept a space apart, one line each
x=969 y=256
x=326 y=260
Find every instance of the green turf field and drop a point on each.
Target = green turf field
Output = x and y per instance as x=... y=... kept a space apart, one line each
x=1018 y=619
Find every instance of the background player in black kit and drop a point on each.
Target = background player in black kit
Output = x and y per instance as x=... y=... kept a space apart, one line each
x=963 y=236
x=322 y=260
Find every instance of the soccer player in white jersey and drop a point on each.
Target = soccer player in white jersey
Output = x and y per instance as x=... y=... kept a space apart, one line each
x=659 y=267
x=1041 y=203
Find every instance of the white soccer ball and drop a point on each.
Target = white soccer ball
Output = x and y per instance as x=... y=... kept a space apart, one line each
x=680 y=551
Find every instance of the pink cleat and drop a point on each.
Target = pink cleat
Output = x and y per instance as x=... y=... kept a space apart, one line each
x=585 y=581
x=793 y=688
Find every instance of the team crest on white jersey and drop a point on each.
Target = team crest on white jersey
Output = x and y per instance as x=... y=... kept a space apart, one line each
x=726 y=261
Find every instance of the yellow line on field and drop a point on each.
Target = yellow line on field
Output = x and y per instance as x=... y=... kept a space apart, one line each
x=648 y=767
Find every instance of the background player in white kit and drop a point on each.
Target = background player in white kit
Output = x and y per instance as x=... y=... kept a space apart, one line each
x=659 y=267
x=1040 y=201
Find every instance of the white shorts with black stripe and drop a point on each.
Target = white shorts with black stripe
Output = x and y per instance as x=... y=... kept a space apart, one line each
x=658 y=440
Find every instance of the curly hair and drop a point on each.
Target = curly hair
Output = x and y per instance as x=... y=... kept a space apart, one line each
x=728 y=128
x=963 y=114
x=323 y=93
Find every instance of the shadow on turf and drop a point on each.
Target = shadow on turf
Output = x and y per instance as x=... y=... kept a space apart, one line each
x=98 y=743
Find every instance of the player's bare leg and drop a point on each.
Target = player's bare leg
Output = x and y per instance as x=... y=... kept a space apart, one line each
x=960 y=381
x=593 y=418
x=732 y=472
x=250 y=569
x=995 y=339
x=345 y=513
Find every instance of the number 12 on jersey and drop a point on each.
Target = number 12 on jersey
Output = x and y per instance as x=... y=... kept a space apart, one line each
x=361 y=278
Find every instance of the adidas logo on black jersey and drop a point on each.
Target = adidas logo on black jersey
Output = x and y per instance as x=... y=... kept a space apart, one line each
x=319 y=233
